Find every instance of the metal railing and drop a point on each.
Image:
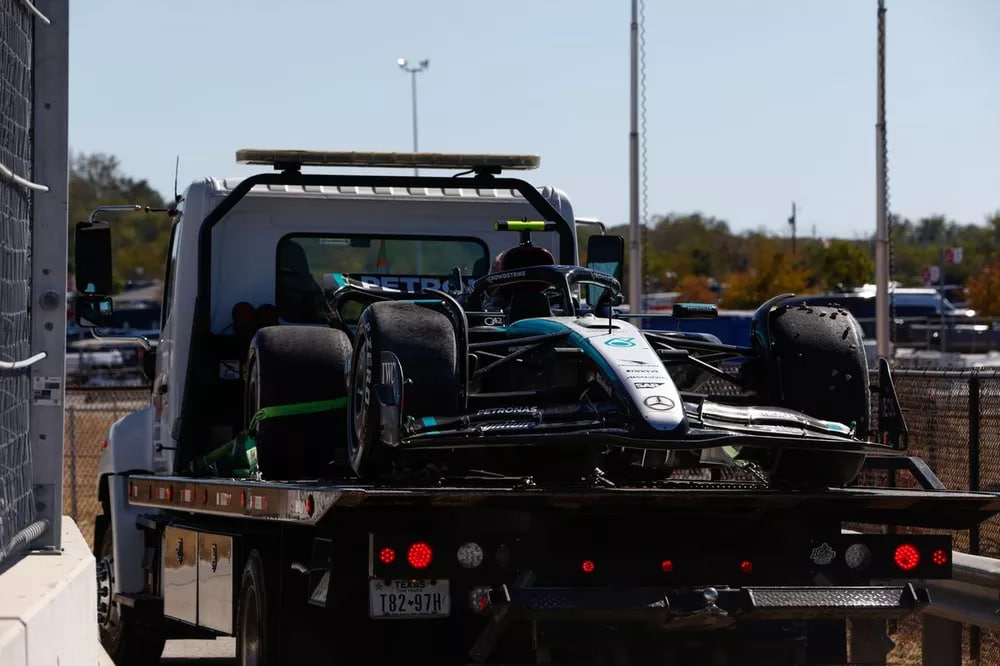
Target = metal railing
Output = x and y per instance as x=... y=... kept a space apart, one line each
x=971 y=599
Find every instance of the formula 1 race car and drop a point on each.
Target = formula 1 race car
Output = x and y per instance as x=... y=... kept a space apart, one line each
x=517 y=375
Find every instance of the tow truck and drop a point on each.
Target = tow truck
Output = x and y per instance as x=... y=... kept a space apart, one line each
x=231 y=506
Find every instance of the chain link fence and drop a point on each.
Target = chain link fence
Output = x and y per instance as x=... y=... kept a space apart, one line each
x=16 y=505
x=89 y=415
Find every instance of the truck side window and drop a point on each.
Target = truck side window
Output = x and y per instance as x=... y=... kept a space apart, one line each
x=168 y=282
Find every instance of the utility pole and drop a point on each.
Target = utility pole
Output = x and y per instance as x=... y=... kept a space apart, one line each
x=791 y=222
x=413 y=71
x=635 y=242
x=882 y=342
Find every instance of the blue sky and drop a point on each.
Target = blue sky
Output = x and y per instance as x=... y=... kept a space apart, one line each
x=750 y=104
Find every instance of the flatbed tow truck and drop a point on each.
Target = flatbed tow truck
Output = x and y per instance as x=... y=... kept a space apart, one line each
x=200 y=536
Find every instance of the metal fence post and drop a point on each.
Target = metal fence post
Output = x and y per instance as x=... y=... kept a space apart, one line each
x=71 y=415
x=941 y=643
x=974 y=452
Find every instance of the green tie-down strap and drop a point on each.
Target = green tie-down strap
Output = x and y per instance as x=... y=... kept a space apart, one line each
x=238 y=456
x=295 y=409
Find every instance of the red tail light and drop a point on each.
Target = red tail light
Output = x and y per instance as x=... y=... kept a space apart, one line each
x=667 y=566
x=907 y=557
x=310 y=505
x=588 y=566
x=746 y=566
x=419 y=555
x=940 y=557
x=387 y=556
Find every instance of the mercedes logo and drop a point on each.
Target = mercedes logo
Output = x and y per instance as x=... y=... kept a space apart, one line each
x=659 y=403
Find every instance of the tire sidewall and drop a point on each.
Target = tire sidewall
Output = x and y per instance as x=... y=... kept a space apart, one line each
x=253 y=579
x=363 y=413
x=112 y=641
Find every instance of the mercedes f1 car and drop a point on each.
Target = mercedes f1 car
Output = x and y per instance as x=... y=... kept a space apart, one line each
x=518 y=374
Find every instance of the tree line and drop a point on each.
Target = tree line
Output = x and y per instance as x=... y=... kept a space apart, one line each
x=696 y=255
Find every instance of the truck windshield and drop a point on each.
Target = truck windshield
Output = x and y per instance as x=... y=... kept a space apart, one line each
x=306 y=264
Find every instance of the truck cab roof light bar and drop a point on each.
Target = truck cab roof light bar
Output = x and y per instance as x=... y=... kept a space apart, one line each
x=295 y=159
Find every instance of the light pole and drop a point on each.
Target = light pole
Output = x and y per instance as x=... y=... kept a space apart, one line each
x=413 y=71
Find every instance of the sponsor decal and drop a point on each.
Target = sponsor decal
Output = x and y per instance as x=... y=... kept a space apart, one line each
x=823 y=554
x=404 y=283
x=644 y=371
x=620 y=342
x=388 y=374
x=495 y=277
x=508 y=425
x=493 y=321
x=630 y=361
x=659 y=403
x=647 y=385
x=507 y=410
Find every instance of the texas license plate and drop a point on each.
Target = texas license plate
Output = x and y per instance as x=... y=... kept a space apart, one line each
x=409 y=598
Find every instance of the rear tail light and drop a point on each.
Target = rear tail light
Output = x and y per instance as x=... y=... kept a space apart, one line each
x=667 y=566
x=746 y=566
x=588 y=566
x=310 y=505
x=940 y=557
x=419 y=556
x=387 y=556
x=858 y=556
x=470 y=555
x=906 y=557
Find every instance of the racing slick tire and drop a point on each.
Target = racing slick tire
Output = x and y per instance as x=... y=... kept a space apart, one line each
x=293 y=365
x=817 y=365
x=426 y=345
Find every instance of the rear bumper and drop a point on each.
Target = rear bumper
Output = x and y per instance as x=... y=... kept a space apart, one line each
x=706 y=607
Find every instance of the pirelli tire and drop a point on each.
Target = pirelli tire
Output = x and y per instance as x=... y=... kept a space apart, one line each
x=294 y=365
x=425 y=343
x=819 y=367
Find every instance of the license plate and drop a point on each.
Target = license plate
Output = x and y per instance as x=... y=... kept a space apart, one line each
x=408 y=598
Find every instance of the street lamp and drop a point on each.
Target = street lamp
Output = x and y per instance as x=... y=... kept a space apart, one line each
x=413 y=71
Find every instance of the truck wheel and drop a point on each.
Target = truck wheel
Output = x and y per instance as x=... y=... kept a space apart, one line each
x=425 y=343
x=255 y=642
x=818 y=366
x=127 y=641
x=289 y=365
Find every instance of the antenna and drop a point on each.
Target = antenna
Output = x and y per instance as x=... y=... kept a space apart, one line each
x=177 y=168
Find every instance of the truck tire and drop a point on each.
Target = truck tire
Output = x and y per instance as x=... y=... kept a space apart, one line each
x=425 y=343
x=289 y=365
x=126 y=639
x=818 y=366
x=255 y=640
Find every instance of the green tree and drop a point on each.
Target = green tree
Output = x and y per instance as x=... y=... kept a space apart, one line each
x=841 y=263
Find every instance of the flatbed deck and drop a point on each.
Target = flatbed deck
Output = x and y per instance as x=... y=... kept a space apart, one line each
x=307 y=502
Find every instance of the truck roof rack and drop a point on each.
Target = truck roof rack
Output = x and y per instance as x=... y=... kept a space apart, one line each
x=293 y=160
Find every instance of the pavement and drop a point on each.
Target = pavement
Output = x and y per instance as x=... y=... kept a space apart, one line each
x=220 y=652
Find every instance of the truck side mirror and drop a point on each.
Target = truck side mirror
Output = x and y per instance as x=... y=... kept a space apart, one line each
x=93 y=311
x=93 y=258
x=607 y=255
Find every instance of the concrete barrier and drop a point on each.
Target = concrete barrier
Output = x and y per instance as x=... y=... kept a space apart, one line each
x=48 y=609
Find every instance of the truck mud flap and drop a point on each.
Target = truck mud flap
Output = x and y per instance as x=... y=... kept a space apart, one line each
x=708 y=607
